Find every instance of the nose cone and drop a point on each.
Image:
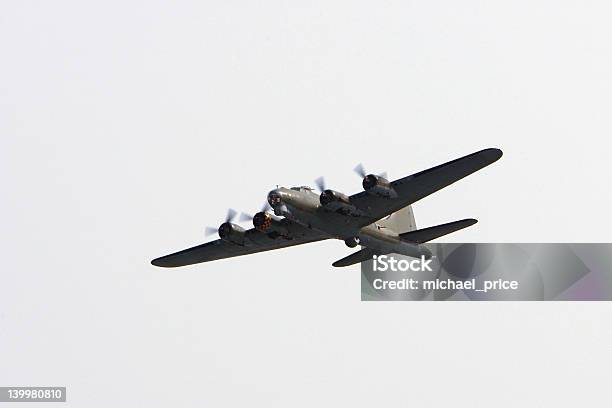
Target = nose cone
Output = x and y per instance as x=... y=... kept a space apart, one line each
x=274 y=198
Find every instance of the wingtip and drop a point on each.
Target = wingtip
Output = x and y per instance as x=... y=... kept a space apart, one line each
x=467 y=222
x=160 y=263
x=494 y=153
x=341 y=263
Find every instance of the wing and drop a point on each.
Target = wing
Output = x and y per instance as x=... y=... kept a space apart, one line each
x=255 y=241
x=412 y=188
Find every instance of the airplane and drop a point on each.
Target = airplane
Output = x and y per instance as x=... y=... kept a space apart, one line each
x=300 y=215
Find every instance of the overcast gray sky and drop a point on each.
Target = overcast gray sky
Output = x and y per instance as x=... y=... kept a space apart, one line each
x=127 y=127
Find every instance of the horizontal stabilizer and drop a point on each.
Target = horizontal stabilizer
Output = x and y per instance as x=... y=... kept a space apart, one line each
x=427 y=234
x=356 y=257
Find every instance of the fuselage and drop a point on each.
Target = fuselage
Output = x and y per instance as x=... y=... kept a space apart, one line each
x=303 y=206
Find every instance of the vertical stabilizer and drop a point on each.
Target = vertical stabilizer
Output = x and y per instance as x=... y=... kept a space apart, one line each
x=400 y=221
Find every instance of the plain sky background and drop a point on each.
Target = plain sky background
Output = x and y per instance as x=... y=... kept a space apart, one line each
x=127 y=127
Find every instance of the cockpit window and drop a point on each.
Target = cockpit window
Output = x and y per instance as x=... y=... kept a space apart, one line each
x=301 y=188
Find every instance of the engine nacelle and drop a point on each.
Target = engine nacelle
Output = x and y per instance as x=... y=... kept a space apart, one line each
x=232 y=233
x=264 y=222
x=377 y=185
x=335 y=201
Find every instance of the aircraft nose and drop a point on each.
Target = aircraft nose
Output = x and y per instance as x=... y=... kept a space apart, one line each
x=274 y=198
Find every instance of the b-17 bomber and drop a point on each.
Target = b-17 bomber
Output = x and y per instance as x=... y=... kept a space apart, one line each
x=299 y=215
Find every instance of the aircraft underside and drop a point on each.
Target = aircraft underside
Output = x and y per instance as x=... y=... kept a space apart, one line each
x=299 y=215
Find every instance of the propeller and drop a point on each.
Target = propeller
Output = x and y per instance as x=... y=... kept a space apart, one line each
x=248 y=217
x=320 y=183
x=231 y=214
x=245 y=217
x=361 y=171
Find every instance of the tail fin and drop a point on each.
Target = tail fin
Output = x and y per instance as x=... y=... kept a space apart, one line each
x=400 y=221
x=427 y=234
